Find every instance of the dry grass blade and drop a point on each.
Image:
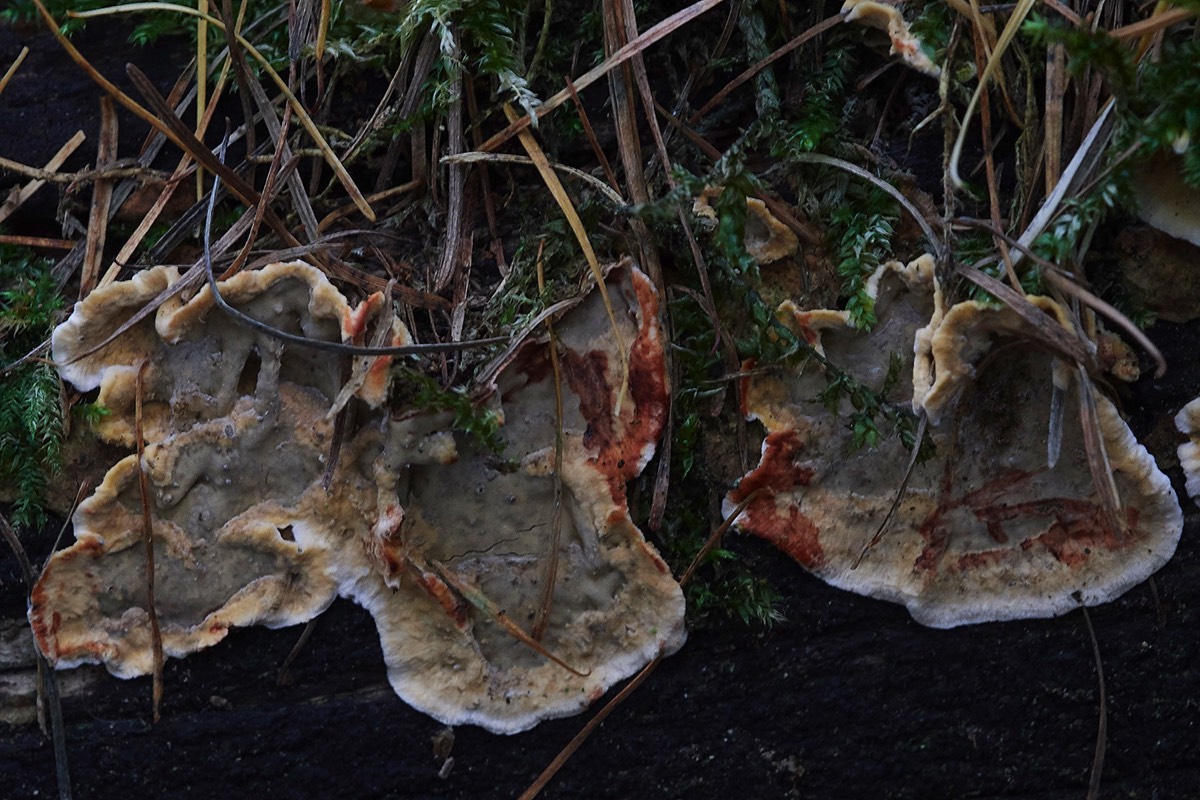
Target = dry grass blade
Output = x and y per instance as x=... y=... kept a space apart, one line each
x=1160 y=20
x=277 y=171
x=1056 y=85
x=206 y=272
x=550 y=574
x=568 y=208
x=278 y=131
x=182 y=169
x=934 y=241
x=102 y=190
x=127 y=250
x=1067 y=13
x=1015 y=21
x=190 y=144
x=456 y=227
x=1097 y=455
x=284 y=677
x=1052 y=275
x=487 y=374
x=36 y=354
x=476 y=157
x=341 y=212
x=912 y=464
x=297 y=107
x=148 y=541
x=808 y=35
x=1042 y=328
x=714 y=539
x=119 y=170
x=481 y=601
x=1073 y=289
x=664 y=28
x=18 y=196
x=617 y=32
x=201 y=83
x=46 y=677
x=595 y=722
x=591 y=137
x=1073 y=175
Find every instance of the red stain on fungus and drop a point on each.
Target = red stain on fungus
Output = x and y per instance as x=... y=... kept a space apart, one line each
x=790 y=531
x=778 y=471
x=436 y=588
x=804 y=327
x=621 y=441
x=1075 y=528
x=532 y=361
x=743 y=387
x=354 y=321
x=785 y=526
x=1080 y=529
x=586 y=375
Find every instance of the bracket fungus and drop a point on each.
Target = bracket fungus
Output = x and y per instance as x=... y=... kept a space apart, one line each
x=445 y=544
x=1165 y=200
x=613 y=605
x=1188 y=422
x=767 y=239
x=888 y=18
x=1162 y=277
x=992 y=525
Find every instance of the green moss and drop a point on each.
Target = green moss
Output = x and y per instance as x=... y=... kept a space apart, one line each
x=31 y=423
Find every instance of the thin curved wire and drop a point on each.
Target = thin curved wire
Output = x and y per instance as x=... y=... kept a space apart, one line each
x=303 y=341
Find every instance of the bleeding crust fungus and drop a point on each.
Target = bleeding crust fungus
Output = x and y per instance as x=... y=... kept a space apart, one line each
x=993 y=524
x=614 y=605
x=447 y=545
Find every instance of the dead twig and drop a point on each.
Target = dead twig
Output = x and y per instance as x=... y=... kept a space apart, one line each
x=49 y=173
x=733 y=85
x=550 y=573
x=102 y=191
x=148 y=541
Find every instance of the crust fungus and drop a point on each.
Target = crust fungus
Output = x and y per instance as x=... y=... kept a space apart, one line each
x=888 y=18
x=611 y=604
x=1188 y=422
x=767 y=240
x=1161 y=276
x=1165 y=200
x=990 y=526
x=236 y=440
x=448 y=546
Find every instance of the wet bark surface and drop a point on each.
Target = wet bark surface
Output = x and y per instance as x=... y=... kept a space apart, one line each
x=846 y=698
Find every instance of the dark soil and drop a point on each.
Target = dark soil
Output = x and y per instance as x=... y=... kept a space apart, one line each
x=846 y=698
